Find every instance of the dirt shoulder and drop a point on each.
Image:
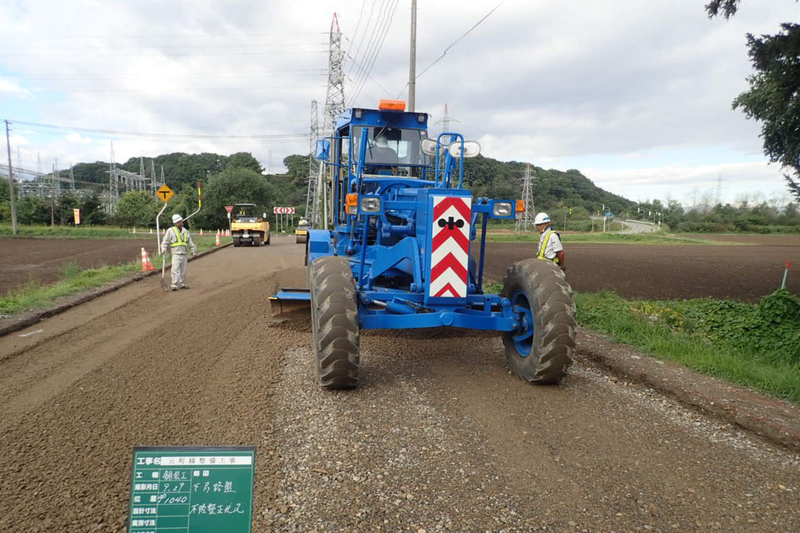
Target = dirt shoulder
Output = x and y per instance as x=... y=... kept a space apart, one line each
x=770 y=417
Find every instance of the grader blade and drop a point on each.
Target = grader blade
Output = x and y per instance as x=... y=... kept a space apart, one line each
x=290 y=304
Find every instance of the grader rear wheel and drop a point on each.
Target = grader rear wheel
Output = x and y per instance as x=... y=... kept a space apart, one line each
x=334 y=323
x=540 y=351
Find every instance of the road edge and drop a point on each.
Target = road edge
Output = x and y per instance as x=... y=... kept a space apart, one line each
x=769 y=417
x=34 y=317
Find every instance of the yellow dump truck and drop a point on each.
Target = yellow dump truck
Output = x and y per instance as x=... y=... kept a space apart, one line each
x=247 y=227
x=301 y=232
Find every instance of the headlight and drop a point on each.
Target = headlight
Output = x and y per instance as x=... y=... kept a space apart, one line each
x=503 y=209
x=370 y=204
x=352 y=210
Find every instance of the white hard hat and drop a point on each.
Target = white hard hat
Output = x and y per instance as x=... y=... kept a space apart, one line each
x=177 y=218
x=541 y=218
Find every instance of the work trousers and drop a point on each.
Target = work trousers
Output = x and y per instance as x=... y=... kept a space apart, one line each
x=178 y=271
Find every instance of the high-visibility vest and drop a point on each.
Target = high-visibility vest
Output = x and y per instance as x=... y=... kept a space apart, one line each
x=547 y=235
x=179 y=240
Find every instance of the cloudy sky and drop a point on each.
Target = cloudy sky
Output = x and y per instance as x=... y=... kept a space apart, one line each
x=636 y=94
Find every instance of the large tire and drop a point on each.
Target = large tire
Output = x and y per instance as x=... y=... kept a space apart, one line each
x=256 y=241
x=334 y=323
x=542 y=352
x=269 y=237
x=237 y=242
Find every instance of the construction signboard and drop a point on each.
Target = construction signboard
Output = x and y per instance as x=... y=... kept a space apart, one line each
x=192 y=490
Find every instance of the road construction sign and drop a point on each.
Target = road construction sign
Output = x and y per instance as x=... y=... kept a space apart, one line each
x=197 y=489
x=283 y=210
x=164 y=193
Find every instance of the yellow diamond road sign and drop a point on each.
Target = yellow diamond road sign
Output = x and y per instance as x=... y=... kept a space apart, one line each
x=164 y=193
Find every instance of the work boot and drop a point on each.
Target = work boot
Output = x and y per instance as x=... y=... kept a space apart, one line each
x=184 y=286
x=174 y=288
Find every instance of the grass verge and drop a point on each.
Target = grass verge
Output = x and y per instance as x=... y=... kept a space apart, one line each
x=79 y=232
x=32 y=295
x=609 y=238
x=753 y=345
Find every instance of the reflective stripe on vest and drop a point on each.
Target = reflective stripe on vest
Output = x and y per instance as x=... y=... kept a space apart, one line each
x=546 y=241
x=179 y=238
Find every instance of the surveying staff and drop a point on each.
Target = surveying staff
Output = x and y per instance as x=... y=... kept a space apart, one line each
x=179 y=241
x=550 y=246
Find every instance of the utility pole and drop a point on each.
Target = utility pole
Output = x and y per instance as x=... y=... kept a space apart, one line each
x=11 y=192
x=412 y=66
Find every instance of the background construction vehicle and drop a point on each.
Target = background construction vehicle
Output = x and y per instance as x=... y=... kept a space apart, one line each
x=247 y=227
x=398 y=256
x=301 y=231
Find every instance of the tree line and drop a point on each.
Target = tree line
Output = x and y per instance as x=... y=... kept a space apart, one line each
x=227 y=180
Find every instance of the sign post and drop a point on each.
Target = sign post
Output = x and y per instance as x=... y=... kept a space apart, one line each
x=229 y=209
x=278 y=211
x=163 y=193
x=192 y=489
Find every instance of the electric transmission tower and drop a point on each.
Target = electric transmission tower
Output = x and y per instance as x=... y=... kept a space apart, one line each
x=446 y=120
x=334 y=106
x=113 y=184
x=527 y=197
x=313 y=164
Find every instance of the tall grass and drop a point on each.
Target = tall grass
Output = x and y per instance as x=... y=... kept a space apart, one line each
x=609 y=313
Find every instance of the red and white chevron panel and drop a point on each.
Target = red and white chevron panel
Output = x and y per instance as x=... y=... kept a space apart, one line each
x=449 y=274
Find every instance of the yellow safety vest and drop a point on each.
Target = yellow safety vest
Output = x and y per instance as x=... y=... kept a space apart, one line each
x=546 y=241
x=179 y=240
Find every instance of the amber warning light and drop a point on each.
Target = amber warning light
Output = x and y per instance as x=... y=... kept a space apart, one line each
x=392 y=105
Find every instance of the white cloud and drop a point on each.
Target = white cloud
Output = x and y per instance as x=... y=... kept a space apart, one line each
x=537 y=81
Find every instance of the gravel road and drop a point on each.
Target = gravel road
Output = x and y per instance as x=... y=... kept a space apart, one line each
x=440 y=437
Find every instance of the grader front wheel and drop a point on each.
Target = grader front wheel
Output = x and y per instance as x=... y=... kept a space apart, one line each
x=334 y=323
x=540 y=350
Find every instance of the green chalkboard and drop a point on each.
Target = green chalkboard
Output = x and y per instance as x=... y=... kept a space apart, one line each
x=192 y=489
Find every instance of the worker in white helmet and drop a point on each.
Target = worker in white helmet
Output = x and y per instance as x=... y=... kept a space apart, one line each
x=550 y=247
x=178 y=241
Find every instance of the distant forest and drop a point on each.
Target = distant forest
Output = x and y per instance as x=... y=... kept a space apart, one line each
x=240 y=178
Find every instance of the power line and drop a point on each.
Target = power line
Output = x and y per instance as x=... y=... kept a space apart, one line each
x=268 y=74
x=361 y=68
x=376 y=27
x=486 y=16
x=371 y=54
x=321 y=51
x=173 y=47
x=361 y=40
x=378 y=48
x=179 y=89
x=192 y=136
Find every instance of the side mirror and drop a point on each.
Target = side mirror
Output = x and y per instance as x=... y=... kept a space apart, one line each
x=471 y=149
x=322 y=151
x=428 y=146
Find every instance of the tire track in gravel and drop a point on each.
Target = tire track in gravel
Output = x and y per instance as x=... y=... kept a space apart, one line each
x=440 y=437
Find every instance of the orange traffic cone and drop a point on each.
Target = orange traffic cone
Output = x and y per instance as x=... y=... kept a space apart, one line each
x=201 y=232
x=146 y=264
x=217 y=243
